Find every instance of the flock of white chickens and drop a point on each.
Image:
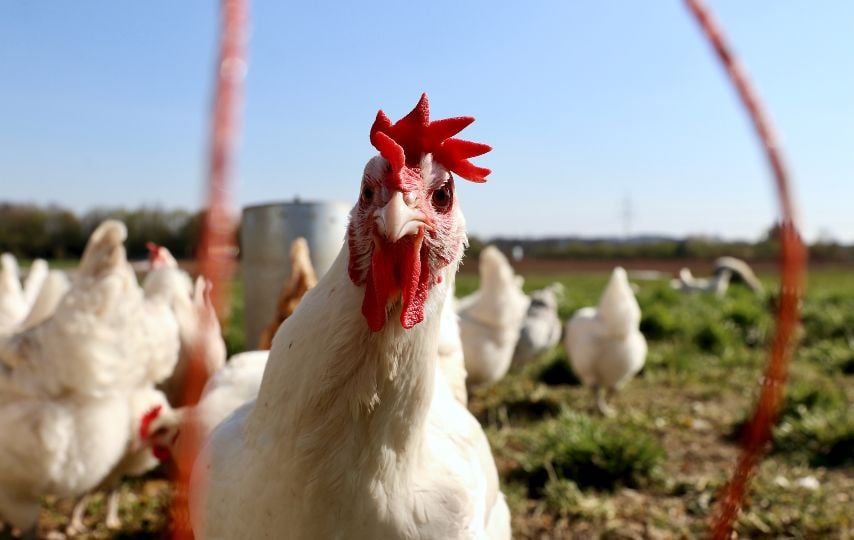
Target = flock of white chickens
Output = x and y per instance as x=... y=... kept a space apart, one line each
x=353 y=425
x=86 y=364
x=501 y=327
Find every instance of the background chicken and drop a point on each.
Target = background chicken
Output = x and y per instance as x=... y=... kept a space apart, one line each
x=490 y=319
x=231 y=387
x=104 y=334
x=352 y=430
x=199 y=329
x=54 y=287
x=13 y=305
x=301 y=279
x=686 y=282
x=606 y=348
x=138 y=459
x=65 y=385
x=726 y=271
x=541 y=327
x=34 y=280
x=37 y=299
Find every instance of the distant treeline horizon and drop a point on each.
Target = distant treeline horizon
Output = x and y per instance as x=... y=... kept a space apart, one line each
x=30 y=231
x=52 y=232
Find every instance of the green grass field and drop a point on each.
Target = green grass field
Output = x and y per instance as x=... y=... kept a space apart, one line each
x=655 y=470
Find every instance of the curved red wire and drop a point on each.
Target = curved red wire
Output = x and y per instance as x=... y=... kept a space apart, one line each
x=792 y=267
x=215 y=255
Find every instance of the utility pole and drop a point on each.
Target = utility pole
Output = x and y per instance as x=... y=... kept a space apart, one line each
x=628 y=214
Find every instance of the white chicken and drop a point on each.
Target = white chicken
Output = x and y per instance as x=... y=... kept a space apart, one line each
x=164 y=277
x=606 y=348
x=726 y=270
x=55 y=285
x=686 y=282
x=13 y=304
x=65 y=411
x=451 y=359
x=541 y=327
x=199 y=328
x=234 y=385
x=36 y=276
x=99 y=326
x=354 y=434
x=138 y=459
x=491 y=318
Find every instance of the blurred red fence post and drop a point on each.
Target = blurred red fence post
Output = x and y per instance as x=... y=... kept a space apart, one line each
x=758 y=431
x=217 y=246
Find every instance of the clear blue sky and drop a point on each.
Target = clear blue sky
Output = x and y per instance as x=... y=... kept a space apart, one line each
x=586 y=104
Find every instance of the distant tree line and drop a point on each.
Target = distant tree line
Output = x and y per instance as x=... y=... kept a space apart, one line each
x=53 y=232
x=766 y=248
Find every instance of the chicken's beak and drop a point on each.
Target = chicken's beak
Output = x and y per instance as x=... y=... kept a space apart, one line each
x=400 y=217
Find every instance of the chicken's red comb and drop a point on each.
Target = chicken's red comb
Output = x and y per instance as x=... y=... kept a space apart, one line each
x=153 y=251
x=147 y=419
x=406 y=141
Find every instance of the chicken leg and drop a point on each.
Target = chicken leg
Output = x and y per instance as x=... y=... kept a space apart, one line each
x=113 y=521
x=602 y=396
x=76 y=526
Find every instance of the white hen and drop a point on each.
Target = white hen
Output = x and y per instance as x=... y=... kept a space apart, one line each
x=234 y=385
x=606 y=348
x=104 y=335
x=353 y=434
x=727 y=270
x=55 y=285
x=490 y=319
x=541 y=327
x=137 y=460
x=13 y=305
x=200 y=331
x=686 y=282
x=36 y=276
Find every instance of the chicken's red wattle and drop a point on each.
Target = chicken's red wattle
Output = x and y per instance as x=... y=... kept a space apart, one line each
x=398 y=268
x=161 y=453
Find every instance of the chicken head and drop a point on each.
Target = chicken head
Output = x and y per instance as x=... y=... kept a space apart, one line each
x=407 y=225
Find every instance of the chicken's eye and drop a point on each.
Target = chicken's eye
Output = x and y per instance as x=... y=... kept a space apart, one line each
x=367 y=193
x=443 y=197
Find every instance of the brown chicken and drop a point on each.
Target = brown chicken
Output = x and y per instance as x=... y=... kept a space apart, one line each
x=301 y=280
